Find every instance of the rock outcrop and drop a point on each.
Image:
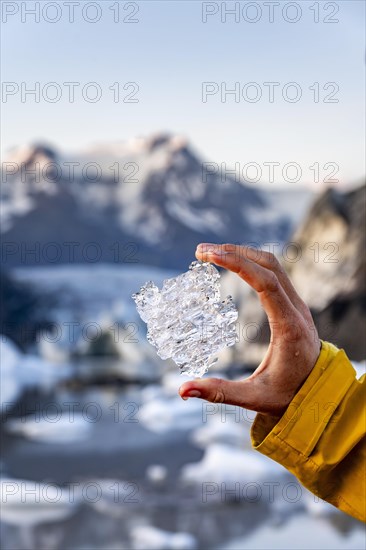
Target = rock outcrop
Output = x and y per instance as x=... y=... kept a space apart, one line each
x=326 y=262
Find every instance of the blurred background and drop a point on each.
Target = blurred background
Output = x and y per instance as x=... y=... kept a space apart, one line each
x=131 y=132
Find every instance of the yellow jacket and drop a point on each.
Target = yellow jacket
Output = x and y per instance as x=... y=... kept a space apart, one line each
x=321 y=436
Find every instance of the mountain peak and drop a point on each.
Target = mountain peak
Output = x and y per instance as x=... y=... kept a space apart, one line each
x=174 y=142
x=29 y=154
x=149 y=191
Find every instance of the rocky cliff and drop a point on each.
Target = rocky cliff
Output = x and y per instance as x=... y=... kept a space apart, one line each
x=325 y=259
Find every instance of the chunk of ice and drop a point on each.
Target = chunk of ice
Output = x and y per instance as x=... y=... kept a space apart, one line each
x=186 y=319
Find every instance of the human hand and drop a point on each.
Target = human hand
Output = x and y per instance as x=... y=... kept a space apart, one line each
x=294 y=346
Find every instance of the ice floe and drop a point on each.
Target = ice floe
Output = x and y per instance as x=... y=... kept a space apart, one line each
x=146 y=537
x=64 y=429
x=224 y=463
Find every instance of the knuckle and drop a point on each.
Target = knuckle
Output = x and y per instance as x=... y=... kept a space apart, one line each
x=219 y=395
x=271 y=260
x=280 y=270
x=272 y=283
x=293 y=331
x=305 y=311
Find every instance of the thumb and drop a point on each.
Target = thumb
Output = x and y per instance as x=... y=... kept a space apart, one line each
x=215 y=390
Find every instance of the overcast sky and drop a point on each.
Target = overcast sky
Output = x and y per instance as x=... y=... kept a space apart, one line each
x=168 y=53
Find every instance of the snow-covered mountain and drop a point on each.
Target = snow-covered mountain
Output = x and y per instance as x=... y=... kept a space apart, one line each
x=149 y=200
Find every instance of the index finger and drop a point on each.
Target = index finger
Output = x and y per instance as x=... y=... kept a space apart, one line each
x=265 y=282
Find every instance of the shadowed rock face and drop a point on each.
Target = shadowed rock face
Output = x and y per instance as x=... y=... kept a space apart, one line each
x=333 y=282
x=327 y=266
x=331 y=243
x=148 y=201
x=23 y=311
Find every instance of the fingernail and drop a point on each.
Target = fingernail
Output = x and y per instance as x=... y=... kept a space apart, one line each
x=193 y=393
x=205 y=247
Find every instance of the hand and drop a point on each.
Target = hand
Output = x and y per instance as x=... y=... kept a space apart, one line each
x=294 y=346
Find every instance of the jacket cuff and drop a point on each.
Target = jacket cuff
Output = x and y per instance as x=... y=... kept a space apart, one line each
x=301 y=426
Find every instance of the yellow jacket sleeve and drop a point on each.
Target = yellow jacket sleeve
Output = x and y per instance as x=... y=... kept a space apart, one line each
x=321 y=436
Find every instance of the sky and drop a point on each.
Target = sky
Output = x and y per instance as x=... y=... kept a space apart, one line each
x=137 y=68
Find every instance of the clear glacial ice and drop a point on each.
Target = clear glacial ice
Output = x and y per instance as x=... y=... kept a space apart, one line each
x=187 y=320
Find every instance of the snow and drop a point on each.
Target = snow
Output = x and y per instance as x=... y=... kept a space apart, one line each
x=146 y=537
x=19 y=371
x=201 y=221
x=222 y=429
x=165 y=414
x=226 y=464
x=157 y=473
x=25 y=502
x=65 y=429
